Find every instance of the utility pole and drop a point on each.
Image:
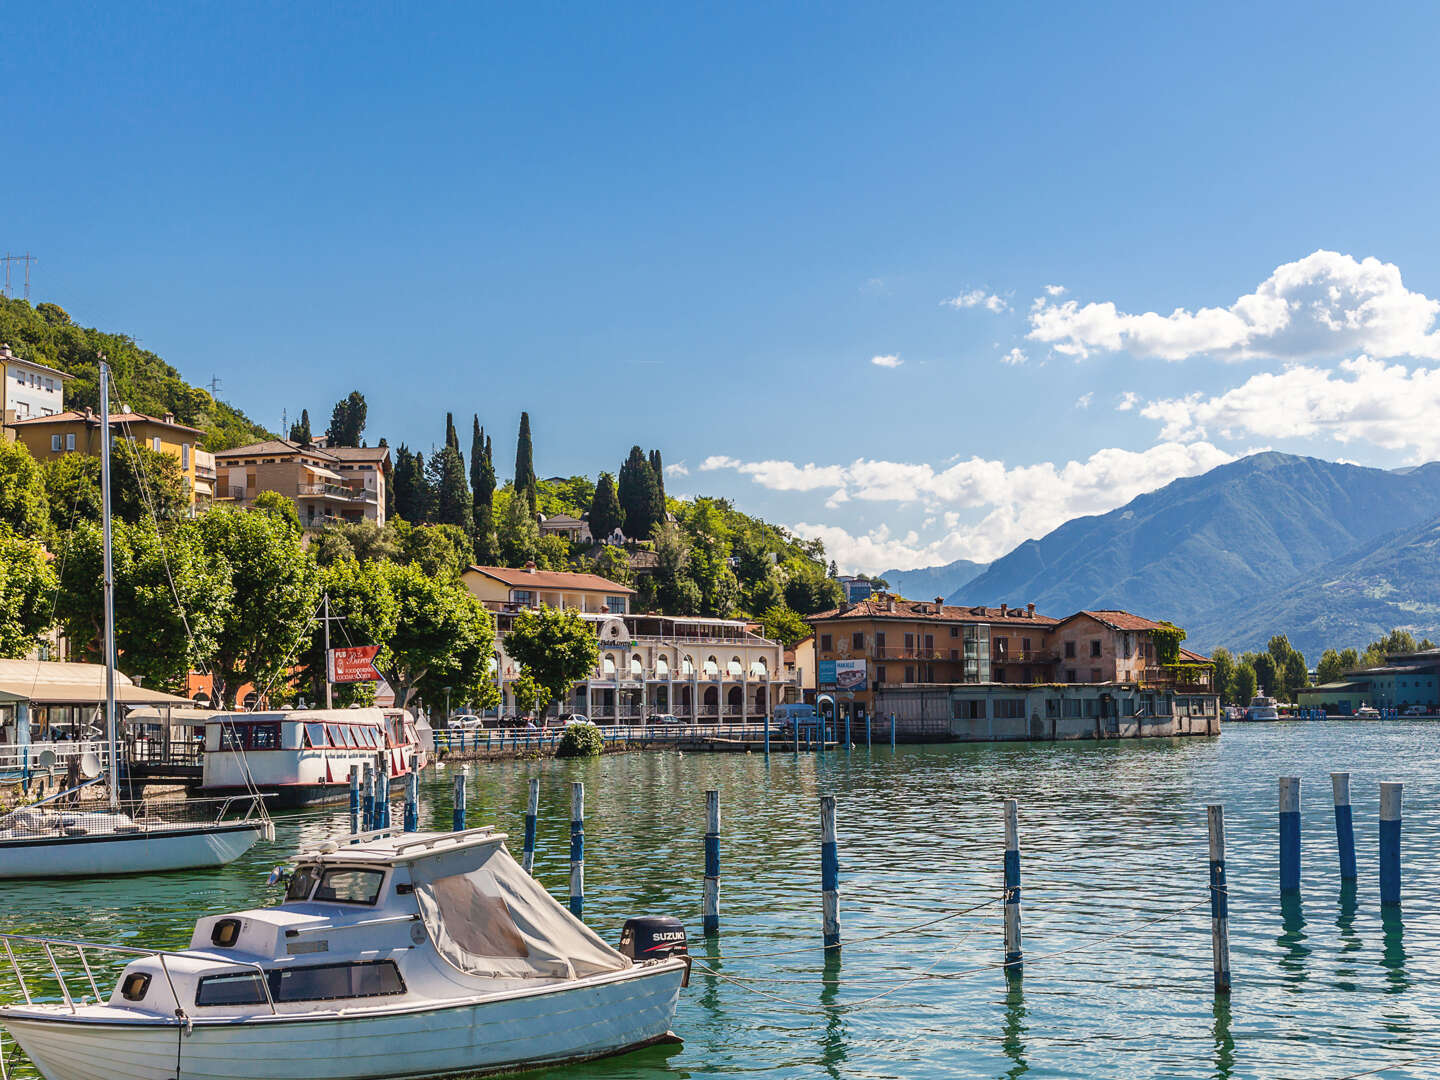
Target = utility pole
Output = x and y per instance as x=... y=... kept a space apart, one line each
x=329 y=693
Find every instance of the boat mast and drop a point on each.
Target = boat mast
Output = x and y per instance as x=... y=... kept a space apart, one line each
x=111 y=728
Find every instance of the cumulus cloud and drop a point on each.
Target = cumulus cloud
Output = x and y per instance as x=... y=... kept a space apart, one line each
x=978 y=298
x=886 y=361
x=1015 y=357
x=677 y=469
x=1128 y=401
x=1325 y=303
x=1054 y=290
x=719 y=461
x=1015 y=503
x=1361 y=400
x=1083 y=401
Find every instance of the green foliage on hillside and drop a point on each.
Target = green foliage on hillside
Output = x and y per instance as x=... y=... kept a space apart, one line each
x=45 y=333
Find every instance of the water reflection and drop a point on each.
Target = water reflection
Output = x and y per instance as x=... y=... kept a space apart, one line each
x=1350 y=942
x=1224 y=1041
x=1292 y=941
x=1015 y=1026
x=833 y=1050
x=1393 y=926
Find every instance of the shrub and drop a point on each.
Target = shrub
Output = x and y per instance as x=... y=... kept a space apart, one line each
x=580 y=740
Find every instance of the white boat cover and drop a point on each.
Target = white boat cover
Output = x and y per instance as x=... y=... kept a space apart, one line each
x=495 y=919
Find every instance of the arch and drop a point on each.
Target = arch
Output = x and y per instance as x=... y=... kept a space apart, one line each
x=662 y=666
x=712 y=697
x=687 y=665
x=758 y=668
x=735 y=667
x=712 y=667
x=735 y=699
x=762 y=699
x=607 y=664
x=637 y=668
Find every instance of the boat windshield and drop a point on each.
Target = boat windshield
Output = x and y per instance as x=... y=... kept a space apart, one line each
x=350 y=885
x=301 y=883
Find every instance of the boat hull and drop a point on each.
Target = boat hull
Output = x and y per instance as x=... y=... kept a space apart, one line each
x=298 y=796
x=594 y=1018
x=126 y=853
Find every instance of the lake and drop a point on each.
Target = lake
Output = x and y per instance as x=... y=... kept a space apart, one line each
x=1112 y=836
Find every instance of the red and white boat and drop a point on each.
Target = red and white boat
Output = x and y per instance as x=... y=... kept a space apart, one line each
x=302 y=757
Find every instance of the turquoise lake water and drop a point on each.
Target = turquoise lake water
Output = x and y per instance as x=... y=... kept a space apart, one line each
x=1112 y=835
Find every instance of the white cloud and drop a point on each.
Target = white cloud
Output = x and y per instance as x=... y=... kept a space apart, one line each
x=1083 y=401
x=1015 y=357
x=1055 y=290
x=677 y=469
x=1016 y=503
x=1362 y=400
x=719 y=461
x=1325 y=303
x=886 y=361
x=1128 y=401
x=978 y=298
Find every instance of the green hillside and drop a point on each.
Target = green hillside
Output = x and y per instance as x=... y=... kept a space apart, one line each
x=45 y=333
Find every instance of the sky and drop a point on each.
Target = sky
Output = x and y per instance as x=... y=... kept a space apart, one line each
x=920 y=280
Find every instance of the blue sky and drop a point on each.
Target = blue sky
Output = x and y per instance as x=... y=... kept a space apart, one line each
x=697 y=228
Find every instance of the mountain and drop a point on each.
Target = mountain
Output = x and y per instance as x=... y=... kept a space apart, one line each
x=929 y=582
x=1389 y=583
x=1201 y=544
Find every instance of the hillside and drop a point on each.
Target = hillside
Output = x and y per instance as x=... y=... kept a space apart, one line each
x=46 y=334
x=1200 y=544
x=1389 y=583
x=929 y=582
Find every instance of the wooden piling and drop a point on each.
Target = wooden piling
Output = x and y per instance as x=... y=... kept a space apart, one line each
x=1344 y=825
x=577 y=848
x=1391 y=799
x=354 y=799
x=1289 y=834
x=369 y=796
x=532 y=814
x=1219 y=900
x=457 y=819
x=829 y=873
x=712 y=862
x=1013 y=951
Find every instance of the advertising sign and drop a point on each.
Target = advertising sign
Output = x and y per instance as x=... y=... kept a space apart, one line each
x=842 y=674
x=354 y=664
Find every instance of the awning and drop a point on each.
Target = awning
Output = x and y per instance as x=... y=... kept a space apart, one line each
x=43 y=693
x=316 y=470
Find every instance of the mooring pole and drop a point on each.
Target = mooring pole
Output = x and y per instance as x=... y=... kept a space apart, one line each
x=1391 y=797
x=457 y=820
x=795 y=728
x=892 y=731
x=847 y=727
x=1013 y=952
x=767 y=734
x=1219 y=900
x=712 y=862
x=369 y=797
x=1344 y=825
x=532 y=814
x=354 y=799
x=829 y=872
x=577 y=848
x=1289 y=834
x=412 y=798
x=867 y=730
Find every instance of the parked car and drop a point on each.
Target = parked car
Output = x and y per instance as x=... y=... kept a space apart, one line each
x=663 y=718
x=466 y=722
x=574 y=718
x=1415 y=710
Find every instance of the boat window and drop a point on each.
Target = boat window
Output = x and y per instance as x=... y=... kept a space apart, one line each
x=301 y=882
x=350 y=886
x=231 y=737
x=348 y=734
x=264 y=737
x=336 y=739
x=315 y=735
x=370 y=738
x=327 y=982
x=134 y=986
x=240 y=988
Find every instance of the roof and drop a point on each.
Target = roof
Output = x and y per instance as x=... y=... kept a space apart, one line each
x=53 y=682
x=401 y=847
x=75 y=416
x=1193 y=657
x=358 y=453
x=1117 y=620
x=875 y=608
x=275 y=446
x=561 y=521
x=8 y=357
x=550 y=579
x=1333 y=686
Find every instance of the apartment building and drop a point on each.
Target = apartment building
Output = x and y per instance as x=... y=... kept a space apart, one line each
x=500 y=588
x=28 y=389
x=325 y=483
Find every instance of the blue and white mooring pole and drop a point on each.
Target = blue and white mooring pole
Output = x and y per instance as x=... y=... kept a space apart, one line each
x=712 y=862
x=532 y=813
x=354 y=799
x=829 y=873
x=1289 y=834
x=411 y=822
x=1344 y=825
x=1013 y=952
x=577 y=848
x=1391 y=798
x=457 y=819
x=370 y=825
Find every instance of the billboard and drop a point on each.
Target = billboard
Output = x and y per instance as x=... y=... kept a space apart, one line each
x=842 y=674
x=353 y=664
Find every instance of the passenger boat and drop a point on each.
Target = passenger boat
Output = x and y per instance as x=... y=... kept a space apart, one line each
x=302 y=757
x=409 y=955
x=1367 y=712
x=1262 y=707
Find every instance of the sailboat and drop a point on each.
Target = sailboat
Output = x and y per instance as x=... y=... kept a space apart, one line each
x=63 y=837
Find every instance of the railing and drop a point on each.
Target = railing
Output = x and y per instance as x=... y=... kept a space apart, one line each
x=1182 y=679
x=330 y=491
x=25 y=759
x=515 y=739
x=1021 y=656
x=57 y=820
x=152 y=751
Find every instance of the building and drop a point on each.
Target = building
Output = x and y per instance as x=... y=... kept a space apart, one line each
x=75 y=432
x=964 y=672
x=501 y=588
x=565 y=526
x=326 y=483
x=28 y=389
x=1404 y=679
x=205 y=477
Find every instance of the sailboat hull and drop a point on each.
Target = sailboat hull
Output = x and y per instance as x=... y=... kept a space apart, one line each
x=127 y=853
x=592 y=1019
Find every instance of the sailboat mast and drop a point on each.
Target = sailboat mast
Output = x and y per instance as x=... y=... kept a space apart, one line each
x=112 y=734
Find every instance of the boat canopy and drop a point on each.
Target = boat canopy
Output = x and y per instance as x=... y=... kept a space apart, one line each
x=487 y=916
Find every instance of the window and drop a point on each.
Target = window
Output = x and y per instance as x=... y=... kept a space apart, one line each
x=301 y=883
x=687 y=666
x=1095 y=647
x=70 y=441
x=155 y=444
x=522 y=596
x=1069 y=650
x=825 y=643
x=264 y=737
x=712 y=667
x=954 y=654
x=185 y=455
x=1073 y=708
x=314 y=982
x=880 y=675
x=616 y=604
x=1094 y=674
x=735 y=668
x=315 y=736
x=954 y=631
x=55 y=443
x=929 y=643
x=347 y=885
x=968 y=710
x=909 y=674
x=1025 y=644
x=607 y=665
x=1010 y=708
x=909 y=642
x=636 y=667
x=1070 y=674
x=999 y=674
x=1052 y=708
x=1002 y=646
x=857 y=642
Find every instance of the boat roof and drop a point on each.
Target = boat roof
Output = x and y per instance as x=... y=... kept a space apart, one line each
x=387 y=849
x=364 y=715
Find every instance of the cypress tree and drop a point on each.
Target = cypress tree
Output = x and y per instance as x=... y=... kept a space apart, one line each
x=300 y=432
x=482 y=484
x=389 y=483
x=347 y=420
x=605 y=513
x=639 y=495
x=658 y=468
x=525 y=462
x=452 y=437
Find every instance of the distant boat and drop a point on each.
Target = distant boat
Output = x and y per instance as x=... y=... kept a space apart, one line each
x=1367 y=712
x=1262 y=708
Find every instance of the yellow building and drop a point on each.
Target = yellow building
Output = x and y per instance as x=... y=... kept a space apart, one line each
x=73 y=432
x=500 y=589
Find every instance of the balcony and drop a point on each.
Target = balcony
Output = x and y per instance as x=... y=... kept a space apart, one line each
x=1021 y=656
x=1181 y=678
x=331 y=491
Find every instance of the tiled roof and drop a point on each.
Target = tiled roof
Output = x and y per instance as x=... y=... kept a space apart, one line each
x=1193 y=657
x=550 y=579
x=927 y=609
x=358 y=453
x=556 y=521
x=1119 y=620
x=72 y=416
x=275 y=446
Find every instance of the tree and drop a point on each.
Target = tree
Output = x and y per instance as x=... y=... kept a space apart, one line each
x=531 y=698
x=557 y=648
x=519 y=532
x=482 y=511
x=347 y=421
x=140 y=480
x=1224 y=667
x=1330 y=667
x=24 y=505
x=1244 y=684
x=452 y=437
x=1349 y=659
x=808 y=589
x=658 y=468
x=453 y=503
x=272 y=502
x=414 y=500
x=613 y=564
x=1266 y=674
x=27 y=593
x=784 y=625
x=275 y=588
x=639 y=496
x=300 y=431
x=1297 y=675
x=441 y=551
x=525 y=462
x=605 y=513
x=1167 y=638
x=364 y=611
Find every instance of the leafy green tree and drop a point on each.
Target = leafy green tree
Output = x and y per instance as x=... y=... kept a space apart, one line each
x=362 y=541
x=1349 y=659
x=765 y=591
x=1330 y=668
x=441 y=551
x=1279 y=649
x=531 y=698
x=784 y=625
x=808 y=589
x=558 y=648
x=1266 y=673
x=519 y=531
x=482 y=510
x=363 y=611
x=639 y=496
x=580 y=740
x=275 y=586
x=1224 y=667
x=347 y=420
x=443 y=637
x=300 y=430
x=605 y=513
x=452 y=437
x=27 y=593
x=1297 y=675
x=24 y=504
x=552 y=553
x=272 y=502
x=1167 y=638
x=614 y=564
x=525 y=478
x=1244 y=683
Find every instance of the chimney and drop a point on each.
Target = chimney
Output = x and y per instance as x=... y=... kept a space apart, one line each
x=169 y=417
x=1004 y=609
x=530 y=566
x=939 y=603
x=1030 y=611
x=890 y=605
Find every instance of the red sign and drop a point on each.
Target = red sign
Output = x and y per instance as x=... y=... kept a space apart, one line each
x=355 y=664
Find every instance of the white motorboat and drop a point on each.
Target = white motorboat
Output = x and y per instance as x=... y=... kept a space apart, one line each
x=1262 y=707
x=399 y=956
x=1367 y=712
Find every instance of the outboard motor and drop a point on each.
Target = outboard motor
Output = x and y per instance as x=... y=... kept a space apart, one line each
x=653 y=937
